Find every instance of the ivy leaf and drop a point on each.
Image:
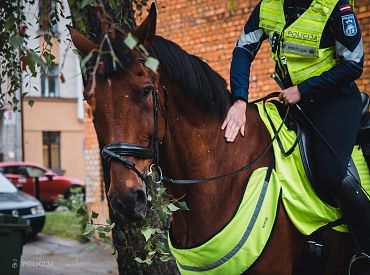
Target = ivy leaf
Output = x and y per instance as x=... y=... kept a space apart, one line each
x=172 y=207
x=31 y=103
x=100 y=228
x=16 y=40
x=152 y=63
x=91 y=245
x=165 y=258
x=94 y=215
x=130 y=41
x=88 y=230
x=86 y=3
x=140 y=261
x=107 y=238
x=86 y=59
x=109 y=221
x=147 y=232
x=183 y=205
x=102 y=235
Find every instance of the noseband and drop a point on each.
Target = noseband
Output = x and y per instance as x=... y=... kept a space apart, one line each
x=120 y=150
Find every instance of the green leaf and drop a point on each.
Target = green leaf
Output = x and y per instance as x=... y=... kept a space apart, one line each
x=140 y=261
x=102 y=235
x=91 y=245
x=143 y=50
x=31 y=102
x=130 y=41
x=86 y=3
x=148 y=261
x=94 y=215
x=108 y=238
x=100 y=228
x=88 y=229
x=152 y=63
x=109 y=221
x=183 y=205
x=147 y=232
x=151 y=253
x=107 y=229
x=172 y=207
x=165 y=258
x=16 y=40
x=86 y=59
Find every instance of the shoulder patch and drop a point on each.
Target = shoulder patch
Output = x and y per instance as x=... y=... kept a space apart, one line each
x=349 y=25
x=345 y=8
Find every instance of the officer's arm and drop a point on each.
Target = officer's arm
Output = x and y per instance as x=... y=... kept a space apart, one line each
x=349 y=50
x=243 y=54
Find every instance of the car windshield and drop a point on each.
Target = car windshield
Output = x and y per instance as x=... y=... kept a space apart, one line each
x=6 y=186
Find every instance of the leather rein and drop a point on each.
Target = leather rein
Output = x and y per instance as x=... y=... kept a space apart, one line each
x=120 y=150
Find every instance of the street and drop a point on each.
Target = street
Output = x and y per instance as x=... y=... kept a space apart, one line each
x=59 y=256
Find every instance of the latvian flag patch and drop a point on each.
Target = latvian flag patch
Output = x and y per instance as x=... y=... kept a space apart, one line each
x=345 y=8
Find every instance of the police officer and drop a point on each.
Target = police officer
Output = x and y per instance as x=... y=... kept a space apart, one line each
x=318 y=53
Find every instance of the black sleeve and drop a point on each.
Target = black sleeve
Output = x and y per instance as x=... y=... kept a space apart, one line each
x=243 y=54
x=349 y=51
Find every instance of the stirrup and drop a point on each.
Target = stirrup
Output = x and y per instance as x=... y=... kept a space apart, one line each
x=357 y=257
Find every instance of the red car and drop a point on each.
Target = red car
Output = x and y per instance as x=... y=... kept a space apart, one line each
x=24 y=174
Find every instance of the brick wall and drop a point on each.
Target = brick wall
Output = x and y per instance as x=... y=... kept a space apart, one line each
x=210 y=29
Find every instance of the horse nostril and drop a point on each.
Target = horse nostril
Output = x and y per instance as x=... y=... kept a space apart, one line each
x=118 y=206
x=140 y=205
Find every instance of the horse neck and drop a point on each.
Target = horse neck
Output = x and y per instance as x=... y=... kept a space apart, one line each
x=195 y=148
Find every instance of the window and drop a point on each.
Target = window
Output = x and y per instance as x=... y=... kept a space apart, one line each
x=50 y=81
x=34 y=172
x=51 y=149
x=10 y=170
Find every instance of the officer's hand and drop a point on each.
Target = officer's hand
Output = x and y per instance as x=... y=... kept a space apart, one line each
x=235 y=120
x=290 y=95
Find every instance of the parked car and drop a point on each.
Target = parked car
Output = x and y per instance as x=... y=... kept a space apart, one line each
x=24 y=174
x=17 y=203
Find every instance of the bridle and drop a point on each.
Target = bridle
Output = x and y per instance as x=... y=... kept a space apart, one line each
x=120 y=150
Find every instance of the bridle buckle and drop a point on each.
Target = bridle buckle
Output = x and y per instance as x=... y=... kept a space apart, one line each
x=155 y=173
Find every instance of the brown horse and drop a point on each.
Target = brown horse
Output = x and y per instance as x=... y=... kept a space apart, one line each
x=191 y=146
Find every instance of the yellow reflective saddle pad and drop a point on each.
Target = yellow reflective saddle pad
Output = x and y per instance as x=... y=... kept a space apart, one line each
x=242 y=240
x=304 y=207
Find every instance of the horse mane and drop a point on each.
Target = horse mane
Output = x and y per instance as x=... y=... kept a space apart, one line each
x=202 y=84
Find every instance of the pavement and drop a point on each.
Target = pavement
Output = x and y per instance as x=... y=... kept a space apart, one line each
x=50 y=255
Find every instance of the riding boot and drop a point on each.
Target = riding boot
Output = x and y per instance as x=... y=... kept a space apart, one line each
x=355 y=208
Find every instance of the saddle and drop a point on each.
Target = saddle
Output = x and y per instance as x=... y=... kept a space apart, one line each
x=302 y=129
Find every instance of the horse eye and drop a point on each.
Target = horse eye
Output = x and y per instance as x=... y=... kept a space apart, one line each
x=147 y=91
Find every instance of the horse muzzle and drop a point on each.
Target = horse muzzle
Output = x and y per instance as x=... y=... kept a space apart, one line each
x=131 y=206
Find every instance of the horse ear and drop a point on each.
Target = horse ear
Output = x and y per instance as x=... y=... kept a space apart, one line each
x=146 y=31
x=82 y=43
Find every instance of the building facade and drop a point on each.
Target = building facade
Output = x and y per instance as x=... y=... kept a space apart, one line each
x=53 y=117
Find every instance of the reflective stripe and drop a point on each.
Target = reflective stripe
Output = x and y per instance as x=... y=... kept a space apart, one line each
x=355 y=55
x=250 y=38
x=290 y=47
x=244 y=238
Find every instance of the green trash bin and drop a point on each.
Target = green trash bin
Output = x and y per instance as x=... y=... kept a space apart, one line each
x=12 y=237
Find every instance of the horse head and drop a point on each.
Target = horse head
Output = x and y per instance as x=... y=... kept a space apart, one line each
x=122 y=100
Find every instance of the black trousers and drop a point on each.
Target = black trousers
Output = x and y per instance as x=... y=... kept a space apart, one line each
x=337 y=117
